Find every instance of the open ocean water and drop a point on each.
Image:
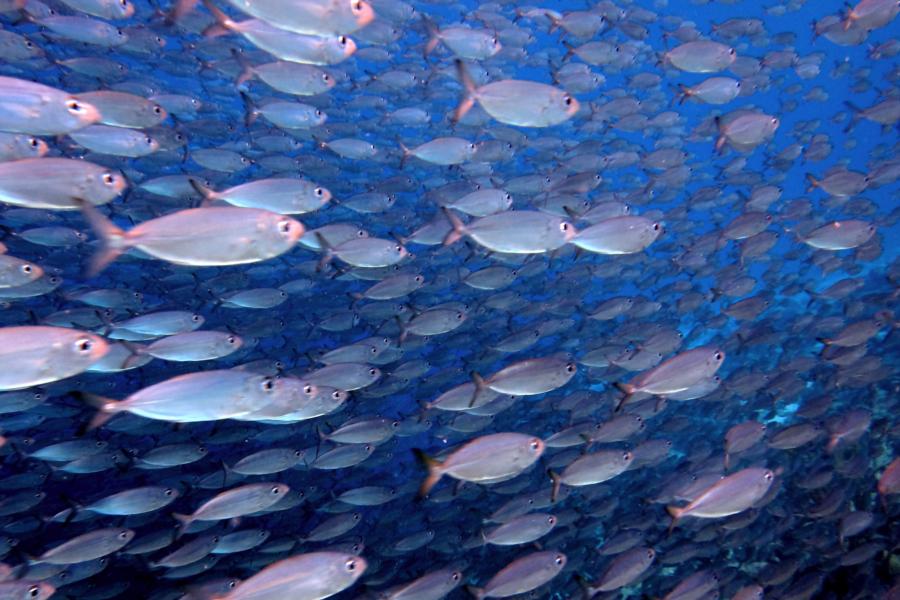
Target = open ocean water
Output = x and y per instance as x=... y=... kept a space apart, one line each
x=387 y=299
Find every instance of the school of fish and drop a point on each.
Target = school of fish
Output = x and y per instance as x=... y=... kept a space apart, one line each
x=423 y=299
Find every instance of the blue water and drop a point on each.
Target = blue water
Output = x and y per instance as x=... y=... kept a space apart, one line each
x=777 y=370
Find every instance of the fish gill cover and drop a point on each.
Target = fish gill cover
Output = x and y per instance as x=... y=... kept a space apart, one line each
x=420 y=299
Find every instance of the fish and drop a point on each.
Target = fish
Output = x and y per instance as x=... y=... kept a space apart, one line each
x=488 y=459
x=391 y=299
x=546 y=105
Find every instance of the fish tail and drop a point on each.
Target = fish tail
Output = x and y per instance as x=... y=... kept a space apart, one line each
x=557 y=483
x=251 y=113
x=246 y=68
x=406 y=154
x=222 y=25
x=178 y=11
x=327 y=253
x=106 y=409
x=476 y=592
x=720 y=144
x=468 y=99
x=404 y=333
x=676 y=514
x=849 y=20
x=480 y=386
x=184 y=521
x=813 y=182
x=433 y=36
x=207 y=194
x=433 y=466
x=112 y=238
x=458 y=230
x=586 y=593
x=628 y=390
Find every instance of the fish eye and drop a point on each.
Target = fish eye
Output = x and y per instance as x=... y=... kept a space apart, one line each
x=768 y=476
x=27 y=269
x=738 y=84
x=350 y=565
x=34 y=591
x=563 y=226
x=268 y=384
x=535 y=444
x=326 y=77
x=119 y=32
x=774 y=121
x=342 y=40
x=307 y=389
x=84 y=345
x=718 y=356
x=419 y=279
x=74 y=106
x=168 y=491
x=398 y=248
x=731 y=51
x=108 y=178
x=551 y=520
x=319 y=192
x=650 y=553
x=559 y=560
x=336 y=394
x=123 y=535
x=231 y=339
x=195 y=318
x=656 y=227
x=202 y=450
x=570 y=368
x=284 y=226
x=626 y=456
x=28 y=44
x=275 y=490
x=456 y=576
x=33 y=142
x=567 y=100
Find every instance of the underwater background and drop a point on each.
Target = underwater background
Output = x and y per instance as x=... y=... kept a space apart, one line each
x=631 y=332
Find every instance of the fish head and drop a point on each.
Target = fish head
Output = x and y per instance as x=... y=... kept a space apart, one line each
x=363 y=13
x=568 y=231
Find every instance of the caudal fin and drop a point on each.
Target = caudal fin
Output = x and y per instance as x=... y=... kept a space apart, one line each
x=628 y=390
x=675 y=513
x=112 y=238
x=105 y=409
x=207 y=194
x=246 y=68
x=480 y=386
x=434 y=36
x=468 y=99
x=459 y=229
x=179 y=10
x=557 y=483
x=433 y=466
x=223 y=24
